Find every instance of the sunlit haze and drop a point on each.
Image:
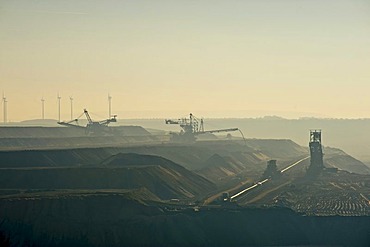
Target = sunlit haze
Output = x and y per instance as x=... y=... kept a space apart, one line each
x=291 y=58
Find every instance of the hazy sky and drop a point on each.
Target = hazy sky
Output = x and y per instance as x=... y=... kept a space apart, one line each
x=235 y=58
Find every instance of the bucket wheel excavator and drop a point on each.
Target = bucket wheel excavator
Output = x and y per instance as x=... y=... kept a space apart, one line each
x=191 y=128
x=92 y=127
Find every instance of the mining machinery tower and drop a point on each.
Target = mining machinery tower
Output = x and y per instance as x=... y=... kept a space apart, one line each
x=271 y=170
x=316 y=153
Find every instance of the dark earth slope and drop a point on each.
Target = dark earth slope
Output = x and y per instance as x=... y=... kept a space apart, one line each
x=115 y=220
x=162 y=177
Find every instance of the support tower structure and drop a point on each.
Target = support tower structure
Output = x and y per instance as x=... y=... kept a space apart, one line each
x=316 y=159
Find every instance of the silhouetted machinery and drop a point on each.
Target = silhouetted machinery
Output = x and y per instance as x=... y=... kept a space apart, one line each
x=92 y=127
x=271 y=170
x=191 y=127
x=316 y=162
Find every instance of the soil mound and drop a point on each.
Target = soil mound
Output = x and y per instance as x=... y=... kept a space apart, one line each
x=217 y=167
x=338 y=159
x=134 y=159
x=162 y=177
x=277 y=148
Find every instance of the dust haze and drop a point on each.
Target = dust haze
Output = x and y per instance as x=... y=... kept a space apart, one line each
x=183 y=123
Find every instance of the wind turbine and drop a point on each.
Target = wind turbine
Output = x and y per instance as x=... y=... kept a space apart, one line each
x=5 y=108
x=71 y=100
x=110 y=105
x=59 y=98
x=43 y=107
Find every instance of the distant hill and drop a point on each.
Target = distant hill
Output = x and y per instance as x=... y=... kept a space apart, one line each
x=39 y=122
x=37 y=132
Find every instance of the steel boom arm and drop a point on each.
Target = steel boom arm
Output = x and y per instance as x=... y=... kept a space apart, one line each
x=218 y=131
x=71 y=125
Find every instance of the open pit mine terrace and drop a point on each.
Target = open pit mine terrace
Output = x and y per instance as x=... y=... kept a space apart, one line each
x=59 y=187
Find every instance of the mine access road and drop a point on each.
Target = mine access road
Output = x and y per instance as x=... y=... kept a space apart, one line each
x=266 y=180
